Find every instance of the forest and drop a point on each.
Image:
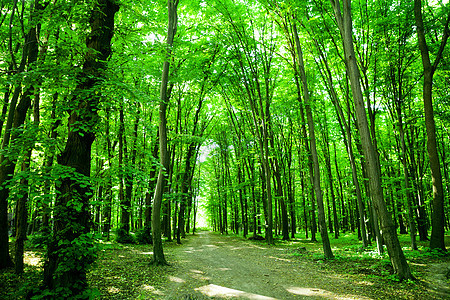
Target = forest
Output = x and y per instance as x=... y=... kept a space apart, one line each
x=134 y=121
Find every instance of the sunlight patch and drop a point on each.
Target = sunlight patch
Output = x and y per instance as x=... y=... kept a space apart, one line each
x=232 y=248
x=306 y=291
x=146 y=253
x=176 y=279
x=113 y=290
x=192 y=251
x=30 y=258
x=199 y=275
x=365 y=283
x=257 y=247
x=279 y=258
x=313 y=292
x=152 y=289
x=213 y=290
x=148 y=287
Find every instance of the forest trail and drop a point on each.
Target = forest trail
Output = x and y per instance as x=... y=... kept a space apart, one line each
x=211 y=265
x=208 y=265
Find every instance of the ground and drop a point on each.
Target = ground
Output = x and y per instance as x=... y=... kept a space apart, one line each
x=212 y=266
x=209 y=265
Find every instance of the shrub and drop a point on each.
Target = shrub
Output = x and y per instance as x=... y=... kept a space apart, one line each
x=124 y=237
x=144 y=236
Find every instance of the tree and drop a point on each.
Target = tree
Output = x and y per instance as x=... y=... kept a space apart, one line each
x=70 y=250
x=158 y=253
x=438 y=222
x=398 y=260
x=316 y=173
x=16 y=117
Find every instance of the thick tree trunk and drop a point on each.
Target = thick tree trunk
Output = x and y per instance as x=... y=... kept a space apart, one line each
x=398 y=260
x=68 y=252
x=158 y=253
x=437 y=218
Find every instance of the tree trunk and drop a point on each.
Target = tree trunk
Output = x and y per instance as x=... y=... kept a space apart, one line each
x=123 y=234
x=437 y=218
x=347 y=138
x=68 y=251
x=22 y=217
x=188 y=175
x=106 y=219
x=422 y=224
x=21 y=205
x=158 y=253
x=16 y=118
x=398 y=260
x=279 y=188
x=317 y=187
x=148 y=196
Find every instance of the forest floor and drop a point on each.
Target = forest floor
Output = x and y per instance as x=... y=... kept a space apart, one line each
x=212 y=266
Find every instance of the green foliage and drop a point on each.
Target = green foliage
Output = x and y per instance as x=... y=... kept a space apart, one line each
x=427 y=253
x=124 y=237
x=143 y=236
x=38 y=240
x=77 y=254
x=63 y=293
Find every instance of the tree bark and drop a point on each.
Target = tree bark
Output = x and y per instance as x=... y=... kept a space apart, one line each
x=158 y=253
x=279 y=187
x=106 y=219
x=68 y=251
x=188 y=173
x=124 y=226
x=335 y=226
x=437 y=218
x=398 y=260
x=22 y=202
x=16 y=118
x=316 y=177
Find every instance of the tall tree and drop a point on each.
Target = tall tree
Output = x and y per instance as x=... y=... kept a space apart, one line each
x=398 y=260
x=438 y=218
x=16 y=117
x=70 y=249
x=316 y=177
x=158 y=253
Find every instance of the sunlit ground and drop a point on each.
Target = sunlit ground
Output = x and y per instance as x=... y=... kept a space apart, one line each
x=313 y=292
x=212 y=290
x=32 y=258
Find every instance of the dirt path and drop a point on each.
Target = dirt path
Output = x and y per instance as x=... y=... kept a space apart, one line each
x=210 y=265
